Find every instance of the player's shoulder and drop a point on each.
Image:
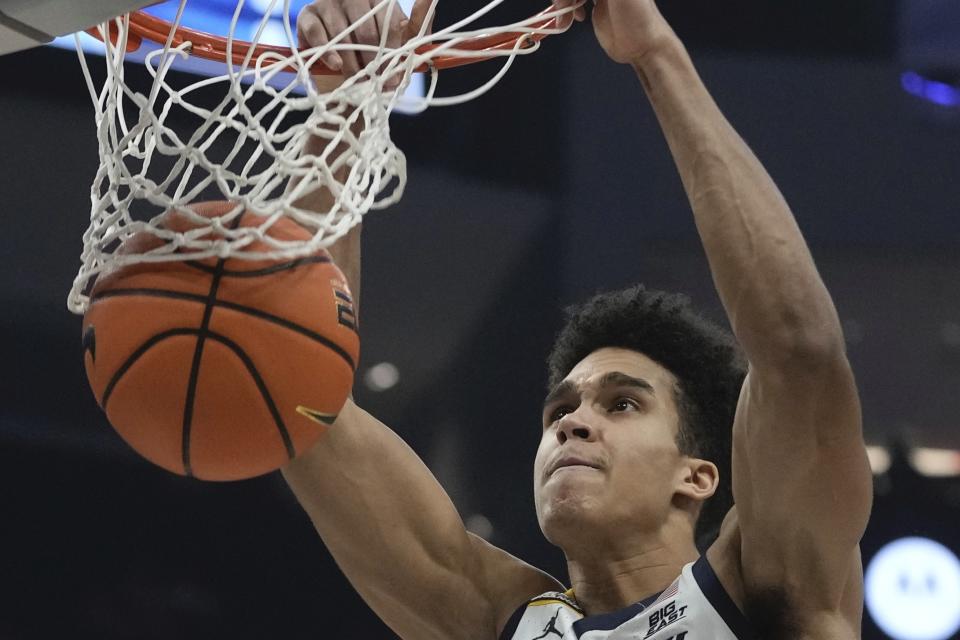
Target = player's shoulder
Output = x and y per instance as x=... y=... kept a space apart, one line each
x=768 y=608
x=551 y=612
x=725 y=557
x=509 y=581
x=762 y=605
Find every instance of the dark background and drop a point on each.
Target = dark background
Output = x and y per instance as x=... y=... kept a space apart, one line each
x=554 y=185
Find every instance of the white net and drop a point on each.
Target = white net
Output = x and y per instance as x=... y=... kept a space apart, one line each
x=270 y=140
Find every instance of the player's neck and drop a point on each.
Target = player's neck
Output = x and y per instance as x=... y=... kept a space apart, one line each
x=607 y=578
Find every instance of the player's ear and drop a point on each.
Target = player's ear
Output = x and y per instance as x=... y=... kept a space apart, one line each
x=698 y=479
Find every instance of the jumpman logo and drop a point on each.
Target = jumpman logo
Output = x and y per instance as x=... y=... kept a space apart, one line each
x=550 y=628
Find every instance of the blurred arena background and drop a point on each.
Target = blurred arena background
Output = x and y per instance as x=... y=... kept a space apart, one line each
x=556 y=184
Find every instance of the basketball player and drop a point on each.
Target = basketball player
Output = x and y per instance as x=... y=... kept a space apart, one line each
x=643 y=396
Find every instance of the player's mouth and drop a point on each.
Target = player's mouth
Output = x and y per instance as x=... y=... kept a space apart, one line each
x=572 y=463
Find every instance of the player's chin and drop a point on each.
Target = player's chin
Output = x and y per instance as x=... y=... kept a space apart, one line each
x=567 y=513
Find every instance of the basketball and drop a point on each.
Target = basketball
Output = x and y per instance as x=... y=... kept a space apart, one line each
x=222 y=369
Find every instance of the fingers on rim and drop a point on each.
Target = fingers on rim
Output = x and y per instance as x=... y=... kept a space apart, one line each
x=394 y=34
x=395 y=30
x=318 y=23
x=417 y=15
x=336 y=23
x=367 y=32
x=311 y=33
x=307 y=23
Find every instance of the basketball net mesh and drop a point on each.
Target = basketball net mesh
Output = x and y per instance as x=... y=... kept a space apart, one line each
x=252 y=146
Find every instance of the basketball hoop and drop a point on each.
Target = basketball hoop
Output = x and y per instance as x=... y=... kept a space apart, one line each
x=144 y=26
x=261 y=129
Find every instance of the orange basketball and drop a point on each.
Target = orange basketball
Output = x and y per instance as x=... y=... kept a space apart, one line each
x=222 y=369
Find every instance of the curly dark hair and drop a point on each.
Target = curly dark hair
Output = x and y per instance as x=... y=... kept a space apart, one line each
x=702 y=356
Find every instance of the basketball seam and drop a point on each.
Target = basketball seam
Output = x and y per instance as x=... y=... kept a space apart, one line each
x=195 y=365
x=252 y=311
x=136 y=355
x=230 y=344
x=262 y=386
x=255 y=273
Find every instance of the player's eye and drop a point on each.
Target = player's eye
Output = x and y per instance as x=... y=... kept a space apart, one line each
x=559 y=412
x=624 y=404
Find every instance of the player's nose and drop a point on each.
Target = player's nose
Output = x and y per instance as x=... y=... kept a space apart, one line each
x=575 y=426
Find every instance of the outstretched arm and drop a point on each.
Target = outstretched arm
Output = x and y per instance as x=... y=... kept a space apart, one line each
x=399 y=539
x=385 y=519
x=801 y=480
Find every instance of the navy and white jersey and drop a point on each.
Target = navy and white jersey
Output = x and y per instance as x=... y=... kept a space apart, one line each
x=694 y=607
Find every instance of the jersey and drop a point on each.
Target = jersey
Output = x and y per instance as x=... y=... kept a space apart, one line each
x=694 y=607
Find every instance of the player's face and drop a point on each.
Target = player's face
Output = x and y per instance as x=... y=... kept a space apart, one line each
x=608 y=458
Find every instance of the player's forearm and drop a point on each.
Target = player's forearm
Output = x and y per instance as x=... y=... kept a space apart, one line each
x=345 y=251
x=369 y=494
x=768 y=283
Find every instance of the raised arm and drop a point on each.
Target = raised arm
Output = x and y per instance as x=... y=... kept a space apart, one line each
x=385 y=519
x=801 y=480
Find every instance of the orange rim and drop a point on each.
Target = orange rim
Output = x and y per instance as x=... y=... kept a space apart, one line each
x=144 y=26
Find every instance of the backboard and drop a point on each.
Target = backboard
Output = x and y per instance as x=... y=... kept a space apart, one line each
x=30 y=23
